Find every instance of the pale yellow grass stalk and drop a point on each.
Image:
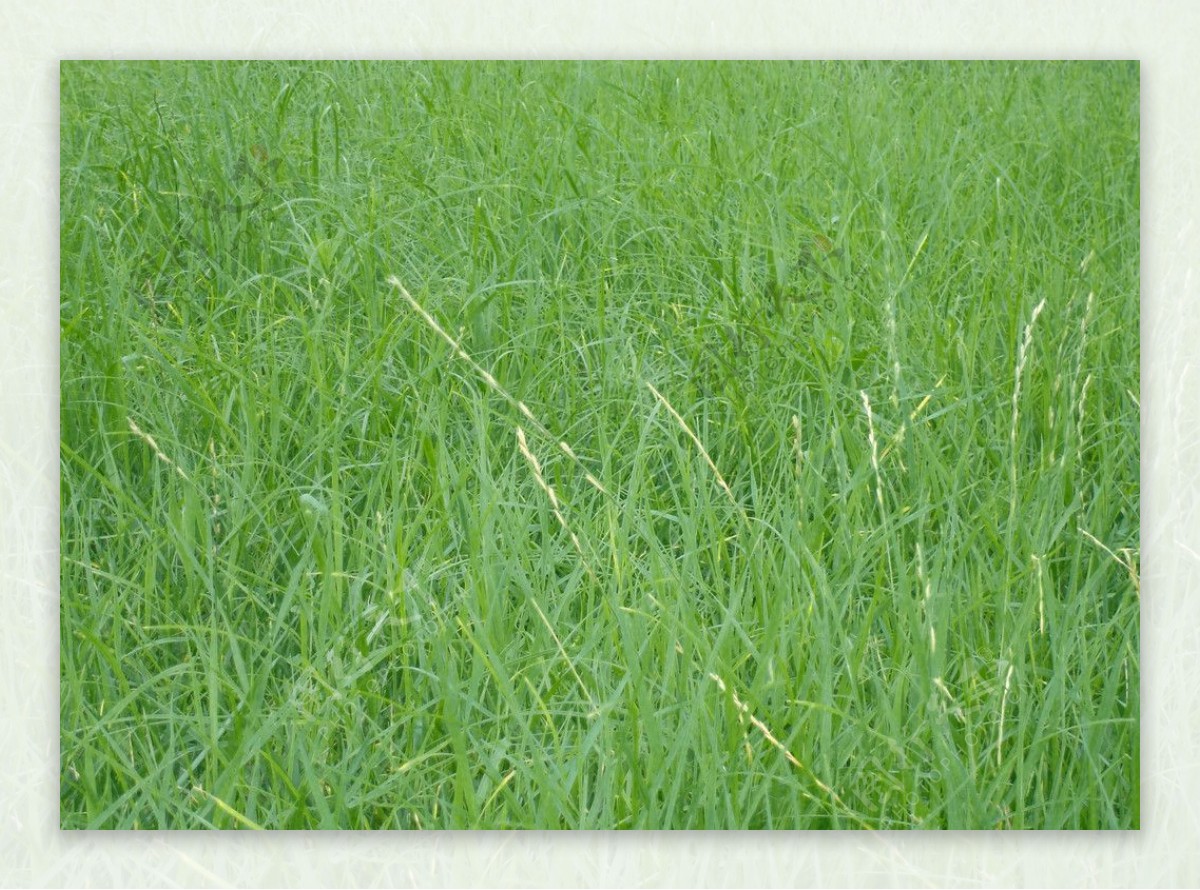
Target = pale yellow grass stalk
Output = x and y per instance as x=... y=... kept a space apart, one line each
x=1129 y=563
x=700 y=445
x=1022 y=357
x=228 y=810
x=1003 y=702
x=954 y=706
x=493 y=383
x=791 y=758
x=523 y=444
x=149 y=440
x=927 y=588
x=912 y=418
x=893 y=352
x=1079 y=425
x=874 y=450
x=563 y=652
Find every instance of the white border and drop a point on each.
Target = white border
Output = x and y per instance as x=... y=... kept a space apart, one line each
x=33 y=852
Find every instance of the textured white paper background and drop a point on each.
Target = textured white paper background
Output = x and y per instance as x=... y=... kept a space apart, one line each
x=1164 y=35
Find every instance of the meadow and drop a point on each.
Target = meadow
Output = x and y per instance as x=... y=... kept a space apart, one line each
x=600 y=445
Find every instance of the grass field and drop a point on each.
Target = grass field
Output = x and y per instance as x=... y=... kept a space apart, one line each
x=656 y=445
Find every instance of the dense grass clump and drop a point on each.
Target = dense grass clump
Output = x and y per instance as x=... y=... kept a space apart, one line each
x=545 y=445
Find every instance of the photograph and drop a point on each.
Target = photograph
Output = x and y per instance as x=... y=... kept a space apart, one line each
x=599 y=445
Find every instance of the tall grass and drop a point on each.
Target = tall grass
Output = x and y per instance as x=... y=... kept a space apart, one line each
x=600 y=445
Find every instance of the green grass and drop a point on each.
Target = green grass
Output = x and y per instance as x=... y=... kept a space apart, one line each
x=849 y=352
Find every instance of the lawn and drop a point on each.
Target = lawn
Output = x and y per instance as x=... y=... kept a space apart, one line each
x=600 y=445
